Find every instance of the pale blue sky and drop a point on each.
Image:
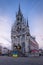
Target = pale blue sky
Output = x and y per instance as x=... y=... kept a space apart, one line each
x=33 y=9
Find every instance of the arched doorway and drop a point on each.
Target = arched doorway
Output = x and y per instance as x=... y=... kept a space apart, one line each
x=23 y=47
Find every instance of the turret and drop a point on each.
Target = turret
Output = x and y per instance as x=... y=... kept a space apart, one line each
x=28 y=31
x=27 y=23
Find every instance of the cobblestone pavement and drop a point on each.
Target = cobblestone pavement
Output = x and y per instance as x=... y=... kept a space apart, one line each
x=4 y=60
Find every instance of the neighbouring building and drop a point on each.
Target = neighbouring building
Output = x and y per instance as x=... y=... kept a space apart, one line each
x=20 y=34
x=4 y=51
x=0 y=49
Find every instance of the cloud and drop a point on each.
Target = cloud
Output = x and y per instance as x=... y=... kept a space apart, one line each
x=5 y=30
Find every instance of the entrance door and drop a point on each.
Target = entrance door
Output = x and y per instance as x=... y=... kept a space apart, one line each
x=23 y=47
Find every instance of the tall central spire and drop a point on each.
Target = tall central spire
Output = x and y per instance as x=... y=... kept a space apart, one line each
x=19 y=14
x=19 y=10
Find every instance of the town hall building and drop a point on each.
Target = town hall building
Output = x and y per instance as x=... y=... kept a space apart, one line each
x=20 y=34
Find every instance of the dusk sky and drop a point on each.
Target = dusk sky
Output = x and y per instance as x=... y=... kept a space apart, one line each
x=31 y=9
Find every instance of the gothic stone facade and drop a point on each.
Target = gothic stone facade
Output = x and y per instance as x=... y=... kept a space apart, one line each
x=20 y=34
